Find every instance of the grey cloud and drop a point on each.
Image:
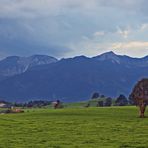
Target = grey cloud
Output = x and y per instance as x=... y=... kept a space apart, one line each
x=51 y=26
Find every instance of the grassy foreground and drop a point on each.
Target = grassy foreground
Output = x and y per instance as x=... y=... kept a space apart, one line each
x=114 y=127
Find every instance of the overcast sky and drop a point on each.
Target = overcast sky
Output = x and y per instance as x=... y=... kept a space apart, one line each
x=66 y=28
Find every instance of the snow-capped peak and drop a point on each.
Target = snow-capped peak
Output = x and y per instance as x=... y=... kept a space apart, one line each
x=109 y=56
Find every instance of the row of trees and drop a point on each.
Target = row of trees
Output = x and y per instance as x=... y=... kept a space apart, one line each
x=101 y=101
x=37 y=103
x=108 y=101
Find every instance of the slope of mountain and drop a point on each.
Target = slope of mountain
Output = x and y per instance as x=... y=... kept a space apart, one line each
x=13 y=65
x=75 y=79
x=126 y=60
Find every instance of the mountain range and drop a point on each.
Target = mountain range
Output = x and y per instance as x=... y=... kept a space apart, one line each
x=71 y=79
x=14 y=65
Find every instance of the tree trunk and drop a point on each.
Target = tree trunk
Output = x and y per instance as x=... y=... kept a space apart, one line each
x=142 y=110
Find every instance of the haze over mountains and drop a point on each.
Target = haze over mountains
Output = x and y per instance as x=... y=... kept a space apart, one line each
x=71 y=79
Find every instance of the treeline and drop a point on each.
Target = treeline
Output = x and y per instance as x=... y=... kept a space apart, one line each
x=96 y=99
x=36 y=103
x=121 y=100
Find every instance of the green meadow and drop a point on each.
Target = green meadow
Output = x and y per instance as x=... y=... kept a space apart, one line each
x=107 y=127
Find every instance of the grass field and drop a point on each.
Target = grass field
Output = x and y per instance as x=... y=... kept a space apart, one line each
x=113 y=127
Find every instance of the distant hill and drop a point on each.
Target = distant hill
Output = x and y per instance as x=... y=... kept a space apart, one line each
x=14 y=65
x=75 y=79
